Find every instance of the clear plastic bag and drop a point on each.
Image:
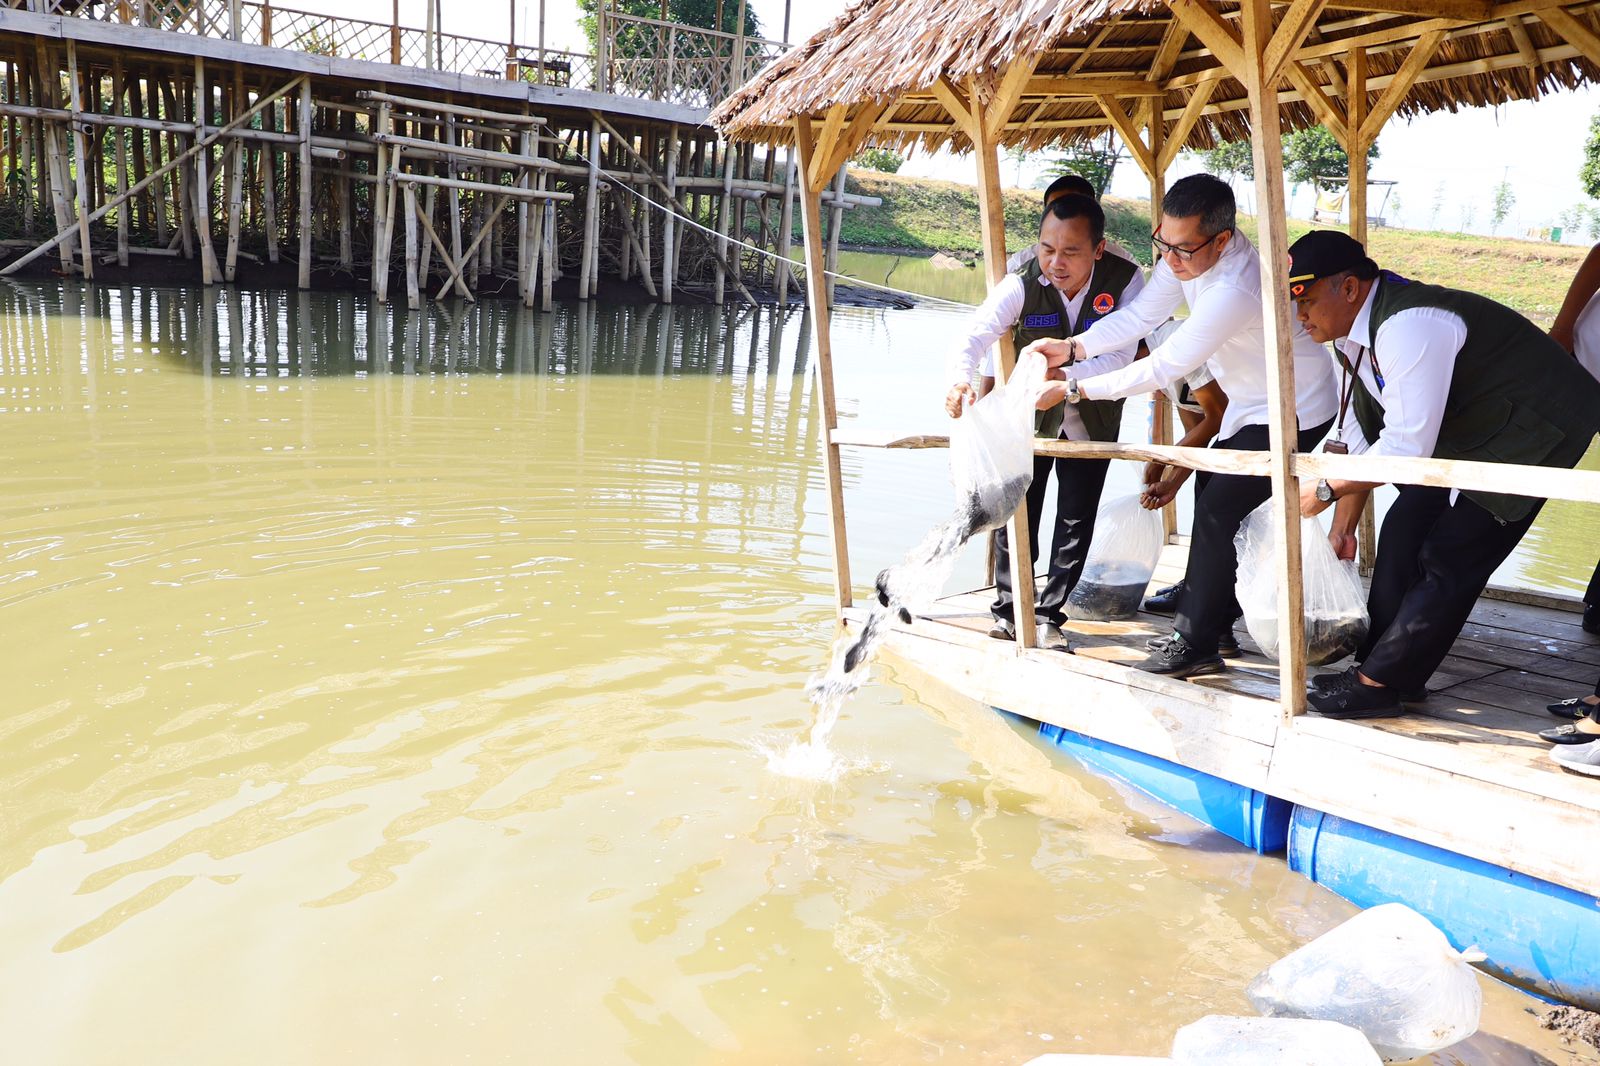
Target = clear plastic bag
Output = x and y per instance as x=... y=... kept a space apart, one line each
x=1123 y=555
x=991 y=449
x=1216 y=1040
x=1387 y=972
x=1335 y=602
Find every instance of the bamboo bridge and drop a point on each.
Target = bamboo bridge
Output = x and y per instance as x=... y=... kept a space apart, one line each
x=235 y=142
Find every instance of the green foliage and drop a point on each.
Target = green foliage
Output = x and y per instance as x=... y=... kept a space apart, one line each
x=1230 y=160
x=1093 y=161
x=1571 y=220
x=1438 y=205
x=1313 y=155
x=1589 y=172
x=1592 y=224
x=1469 y=215
x=702 y=13
x=880 y=159
x=1504 y=201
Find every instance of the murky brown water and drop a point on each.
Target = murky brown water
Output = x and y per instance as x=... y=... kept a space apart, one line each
x=386 y=690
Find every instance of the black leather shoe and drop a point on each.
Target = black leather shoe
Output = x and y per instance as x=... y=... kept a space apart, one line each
x=1572 y=733
x=1591 y=618
x=1003 y=630
x=1227 y=644
x=1347 y=697
x=1576 y=707
x=1164 y=601
x=1052 y=639
x=1177 y=658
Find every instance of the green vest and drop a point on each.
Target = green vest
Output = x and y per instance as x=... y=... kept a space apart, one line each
x=1516 y=396
x=1044 y=316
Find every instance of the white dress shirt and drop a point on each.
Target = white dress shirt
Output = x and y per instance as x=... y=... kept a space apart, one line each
x=1586 y=336
x=1224 y=330
x=1418 y=349
x=998 y=314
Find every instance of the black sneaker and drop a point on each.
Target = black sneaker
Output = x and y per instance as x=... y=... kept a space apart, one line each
x=1347 y=697
x=1176 y=658
x=1323 y=682
x=1003 y=629
x=1052 y=639
x=1227 y=644
x=1164 y=601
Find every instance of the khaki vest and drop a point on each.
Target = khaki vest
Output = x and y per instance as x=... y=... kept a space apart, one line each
x=1516 y=396
x=1044 y=316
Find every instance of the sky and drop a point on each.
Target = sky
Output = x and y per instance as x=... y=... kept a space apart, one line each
x=1456 y=159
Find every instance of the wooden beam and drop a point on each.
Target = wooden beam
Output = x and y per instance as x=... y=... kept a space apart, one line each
x=832 y=124
x=1574 y=31
x=849 y=140
x=1356 y=150
x=1278 y=345
x=1328 y=111
x=956 y=103
x=1519 y=37
x=1214 y=31
x=1052 y=85
x=1186 y=123
x=1404 y=78
x=1167 y=54
x=822 y=342
x=1130 y=134
x=1007 y=92
x=1462 y=10
x=1290 y=34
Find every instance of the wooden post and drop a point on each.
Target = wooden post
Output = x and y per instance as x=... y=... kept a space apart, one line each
x=1160 y=410
x=202 y=183
x=836 y=223
x=347 y=189
x=118 y=91
x=547 y=269
x=590 y=260
x=304 y=277
x=669 y=242
x=1267 y=142
x=235 y=171
x=269 y=197
x=1356 y=150
x=526 y=145
x=729 y=155
x=54 y=170
x=380 y=192
x=413 y=290
x=820 y=312
x=81 y=147
x=453 y=205
x=28 y=132
x=785 y=228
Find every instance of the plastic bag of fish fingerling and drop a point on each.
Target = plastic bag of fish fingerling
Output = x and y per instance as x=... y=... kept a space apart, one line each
x=991 y=449
x=1387 y=972
x=1122 y=556
x=1335 y=603
x=1219 y=1041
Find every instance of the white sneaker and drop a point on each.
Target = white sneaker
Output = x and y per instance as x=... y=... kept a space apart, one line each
x=1579 y=758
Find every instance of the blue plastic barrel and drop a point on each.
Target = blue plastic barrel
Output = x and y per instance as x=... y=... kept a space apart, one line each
x=1538 y=935
x=1253 y=818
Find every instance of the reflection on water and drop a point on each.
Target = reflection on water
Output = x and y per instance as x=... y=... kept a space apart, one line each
x=384 y=688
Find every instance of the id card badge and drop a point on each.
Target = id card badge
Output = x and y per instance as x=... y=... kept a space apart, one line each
x=1336 y=447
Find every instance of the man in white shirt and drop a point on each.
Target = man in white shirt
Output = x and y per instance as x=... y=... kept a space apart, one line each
x=1429 y=371
x=1072 y=284
x=1577 y=329
x=1210 y=266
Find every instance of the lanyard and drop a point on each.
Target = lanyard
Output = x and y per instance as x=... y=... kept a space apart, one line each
x=1348 y=379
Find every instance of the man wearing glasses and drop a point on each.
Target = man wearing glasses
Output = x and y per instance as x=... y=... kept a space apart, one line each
x=1207 y=264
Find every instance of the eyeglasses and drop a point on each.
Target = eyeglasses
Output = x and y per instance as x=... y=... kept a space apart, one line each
x=1183 y=255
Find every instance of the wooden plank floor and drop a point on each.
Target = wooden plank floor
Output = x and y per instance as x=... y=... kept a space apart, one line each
x=1465 y=770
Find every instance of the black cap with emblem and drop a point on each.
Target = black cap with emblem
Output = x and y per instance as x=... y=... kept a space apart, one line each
x=1323 y=253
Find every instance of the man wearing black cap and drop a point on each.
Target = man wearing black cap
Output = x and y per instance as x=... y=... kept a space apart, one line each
x=1429 y=371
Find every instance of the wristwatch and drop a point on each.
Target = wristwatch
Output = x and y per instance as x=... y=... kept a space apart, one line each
x=1073 y=395
x=1324 y=491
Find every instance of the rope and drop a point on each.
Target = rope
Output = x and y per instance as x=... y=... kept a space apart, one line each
x=673 y=211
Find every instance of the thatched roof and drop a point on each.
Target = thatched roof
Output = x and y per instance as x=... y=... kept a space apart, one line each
x=894 y=51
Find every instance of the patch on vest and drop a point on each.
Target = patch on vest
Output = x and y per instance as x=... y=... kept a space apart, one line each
x=1041 y=321
x=1104 y=302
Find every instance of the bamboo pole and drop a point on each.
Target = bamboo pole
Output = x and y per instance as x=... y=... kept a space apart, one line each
x=413 y=291
x=453 y=204
x=346 y=187
x=269 y=200
x=381 y=191
x=28 y=134
x=547 y=271
x=820 y=315
x=118 y=92
x=1278 y=342
x=201 y=187
x=836 y=223
x=306 y=119
x=724 y=204
x=80 y=143
x=171 y=164
x=235 y=178
x=590 y=260
x=786 y=228
x=55 y=159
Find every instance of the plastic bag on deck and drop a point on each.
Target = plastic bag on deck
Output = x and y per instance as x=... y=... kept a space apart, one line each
x=1220 y=1041
x=1335 y=603
x=1387 y=972
x=1123 y=555
x=991 y=449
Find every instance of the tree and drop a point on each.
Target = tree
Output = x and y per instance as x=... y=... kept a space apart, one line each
x=1438 y=205
x=879 y=159
x=1313 y=155
x=1572 y=218
x=1469 y=214
x=1095 y=162
x=1018 y=155
x=1592 y=220
x=641 y=41
x=1229 y=160
x=1504 y=201
x=1589 y=172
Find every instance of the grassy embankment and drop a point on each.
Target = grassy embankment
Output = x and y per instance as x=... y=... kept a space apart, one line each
x=920 y=214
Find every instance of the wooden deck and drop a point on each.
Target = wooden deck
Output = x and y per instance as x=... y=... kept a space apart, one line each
x=1465 y=771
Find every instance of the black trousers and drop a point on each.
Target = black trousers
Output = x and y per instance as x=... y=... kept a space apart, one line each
x=1434 y=560
x=1592 y=596
x=1078 y=485
x=1207 y=606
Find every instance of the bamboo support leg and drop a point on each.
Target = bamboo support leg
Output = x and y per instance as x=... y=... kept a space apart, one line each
x=425 y=258
x=669 y=241
x=719 y=282
x=413 y=292
x=380 y=196
x=306 y=180
x=547 y=268
x=120 y=161
x=347 y=188
x=835 y=224
x=591 y=229
x=269 y=201
x=235 y=175
x=202 y=180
